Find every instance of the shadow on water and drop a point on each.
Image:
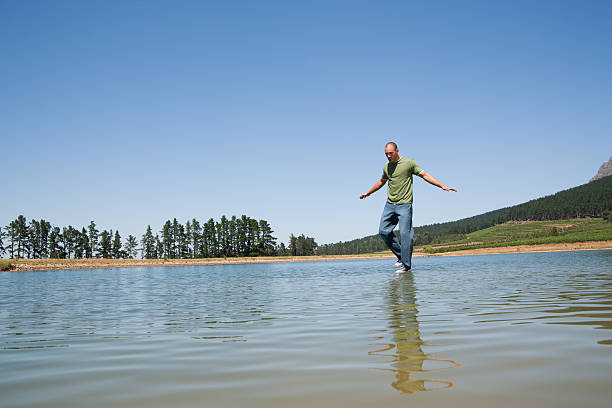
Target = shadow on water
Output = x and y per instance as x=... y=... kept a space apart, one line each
x=407 y=358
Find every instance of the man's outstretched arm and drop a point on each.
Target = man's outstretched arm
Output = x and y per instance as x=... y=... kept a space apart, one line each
x=432 y=180
x=375 y=188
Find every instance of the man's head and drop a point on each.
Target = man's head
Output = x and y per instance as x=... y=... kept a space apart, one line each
x=392 y=152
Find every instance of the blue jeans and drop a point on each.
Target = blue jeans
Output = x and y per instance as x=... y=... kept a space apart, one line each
x=392 y=215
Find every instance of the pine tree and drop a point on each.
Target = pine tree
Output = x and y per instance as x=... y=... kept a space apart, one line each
x=69 y=240
x=104 y=249
x=223 y=234
x=130 y=246
x=159 y=248
x=116 y=251
x=187 y=238
x=233 y=232
x=282 y=251
x=19 y=235
x=218 y=240
x=196 y=238
x=175 y=238
x=209 y=239
x=93 y=240
x=242 y=227
x=79 y=249
x=252 y=237
x=167 y=237
x=267 y=243
x=292 y=245
x=182 y=242
x=34 y=240
x=83 y=244
x=45 y=229
x=11 y=235
x=56 y=251
x=300 y=247
x=22 y=234
x=148 y=244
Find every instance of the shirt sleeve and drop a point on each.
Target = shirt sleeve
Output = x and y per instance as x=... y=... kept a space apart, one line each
x=384 y=175
x=417 y=169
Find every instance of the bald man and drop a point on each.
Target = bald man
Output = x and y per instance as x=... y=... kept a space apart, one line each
x=398 y=209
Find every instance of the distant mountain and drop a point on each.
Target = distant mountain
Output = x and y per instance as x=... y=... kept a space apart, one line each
x=604 y=171
x=593 y=199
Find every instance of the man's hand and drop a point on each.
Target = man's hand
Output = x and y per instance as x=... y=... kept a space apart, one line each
x=446 y=188
x=376 y=187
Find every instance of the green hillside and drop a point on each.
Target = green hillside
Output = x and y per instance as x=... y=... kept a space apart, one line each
x=530 y=233
x=592 y=200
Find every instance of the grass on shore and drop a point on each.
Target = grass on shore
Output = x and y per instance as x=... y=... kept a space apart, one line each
x=5 y=265
x=530 y=233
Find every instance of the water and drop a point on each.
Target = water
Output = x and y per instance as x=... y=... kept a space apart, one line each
x=529 y=330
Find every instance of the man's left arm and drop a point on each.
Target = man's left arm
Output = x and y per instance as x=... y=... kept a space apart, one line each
x=432 y=180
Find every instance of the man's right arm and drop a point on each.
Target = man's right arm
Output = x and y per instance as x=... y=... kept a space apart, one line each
x=375 y=188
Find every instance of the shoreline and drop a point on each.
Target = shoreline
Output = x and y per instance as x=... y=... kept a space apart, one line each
x=64 y=264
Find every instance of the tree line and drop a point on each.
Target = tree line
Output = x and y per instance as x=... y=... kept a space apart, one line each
x=593 y=199
x=588 y=200
x=365 y=245
x=228 y=237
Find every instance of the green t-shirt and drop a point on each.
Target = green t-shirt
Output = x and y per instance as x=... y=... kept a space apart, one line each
x=399 y=175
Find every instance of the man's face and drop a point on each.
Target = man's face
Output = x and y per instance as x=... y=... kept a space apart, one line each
x=392 y=153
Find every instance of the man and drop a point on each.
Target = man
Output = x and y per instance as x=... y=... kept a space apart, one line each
x=398 y=209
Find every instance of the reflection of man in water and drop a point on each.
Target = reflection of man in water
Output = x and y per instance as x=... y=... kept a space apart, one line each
x=398 y=210
x=409 y=356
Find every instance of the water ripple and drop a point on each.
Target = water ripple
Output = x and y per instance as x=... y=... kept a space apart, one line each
x=328 y=333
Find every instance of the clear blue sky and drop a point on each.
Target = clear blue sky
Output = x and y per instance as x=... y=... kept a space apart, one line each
x=133 y=112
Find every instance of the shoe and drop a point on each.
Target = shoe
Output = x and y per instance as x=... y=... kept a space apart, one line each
x=403 y=269
x=398 y=264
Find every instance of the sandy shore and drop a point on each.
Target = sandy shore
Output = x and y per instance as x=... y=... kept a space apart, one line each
x=54 y=264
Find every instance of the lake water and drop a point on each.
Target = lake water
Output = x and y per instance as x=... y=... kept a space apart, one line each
x=527 y=330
